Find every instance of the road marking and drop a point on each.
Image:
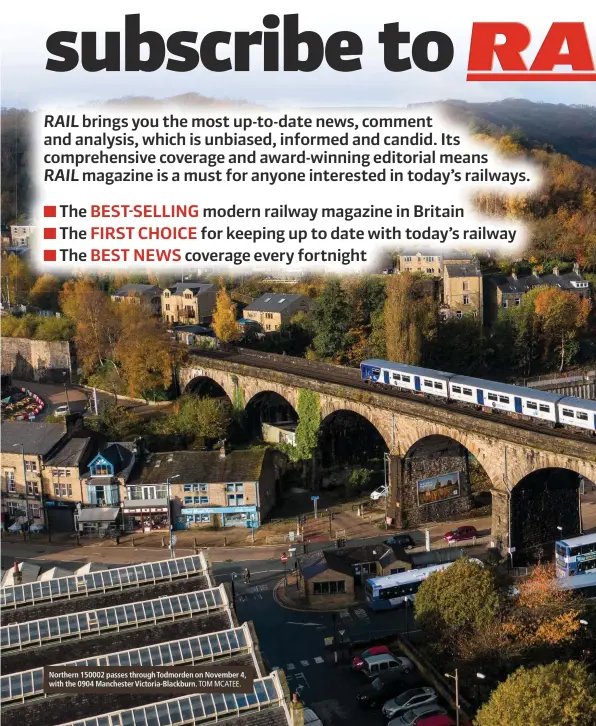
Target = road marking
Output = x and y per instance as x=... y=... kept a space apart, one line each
x=304 y=663
x=292 y=622
x=290 y=666
x=262 y=572
x=319 y=660
x=258 y=588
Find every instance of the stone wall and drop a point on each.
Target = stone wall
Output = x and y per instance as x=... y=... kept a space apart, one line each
x=423 y=467
x=38 y=360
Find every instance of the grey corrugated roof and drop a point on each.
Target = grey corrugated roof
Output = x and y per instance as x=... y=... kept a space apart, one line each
x=274 y=302
x=201 y=467
x=469 y=270
x=36 y=437
x=70 y=454
x=139 y=289
x=195 y=287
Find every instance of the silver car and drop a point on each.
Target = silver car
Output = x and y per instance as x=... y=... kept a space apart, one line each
x=412 y=698
x=411 y=717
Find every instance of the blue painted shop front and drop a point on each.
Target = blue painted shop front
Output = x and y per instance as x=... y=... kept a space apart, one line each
x=227 y=516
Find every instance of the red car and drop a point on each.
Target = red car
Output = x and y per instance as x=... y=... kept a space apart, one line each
x=358 y=661
x=457 y=535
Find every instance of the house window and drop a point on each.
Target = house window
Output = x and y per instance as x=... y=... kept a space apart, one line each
x=167 y=306
x=203 y=499
x=429 y=270
x=429 y=259
x=14 y=509
x=102 y=470
x=188 y=500
x=32 y=488
x=60 y=472
x=160 y=491
x=465 y=285
x=35 y=511
x=329 y=588
x=63 y=489
x=240 y=497
x=505 y=303
x=407 y=259
x=518 y=300
x=466 y=299
x=10 y=483
x=234 y=487
x=188 y=295
x=30 y=466
x=459 y=315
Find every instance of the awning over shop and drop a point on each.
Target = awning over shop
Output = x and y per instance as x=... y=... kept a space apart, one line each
x=130 y=506
x=98 y=514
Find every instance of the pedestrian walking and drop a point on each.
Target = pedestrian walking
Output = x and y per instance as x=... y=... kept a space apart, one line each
x=247 y=576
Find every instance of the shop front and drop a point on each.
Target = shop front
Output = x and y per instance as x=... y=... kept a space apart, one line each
x=146 y=515
x=219 y=516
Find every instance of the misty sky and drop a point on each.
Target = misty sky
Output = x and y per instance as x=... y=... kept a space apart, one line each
x=26 y=82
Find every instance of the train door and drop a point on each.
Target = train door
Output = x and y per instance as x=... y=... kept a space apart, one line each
x=517 y=402
x=417 y=385
x=386 y=376
x=480 y=396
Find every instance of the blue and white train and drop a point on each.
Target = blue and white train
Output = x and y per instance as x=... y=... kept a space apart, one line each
x=555 y=409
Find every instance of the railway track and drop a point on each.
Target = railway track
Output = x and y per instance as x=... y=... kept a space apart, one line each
x=328 y=373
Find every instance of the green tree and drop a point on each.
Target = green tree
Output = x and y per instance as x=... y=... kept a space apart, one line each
x=563 y=315
x=309 y=419
x=559 y=693
x=410 y=319
x=45 y=291
x=27 y=326
x=359 y=479
x=18 y=281
x=225 y=325
x=459 y=346
x=461 y=597
x=116 y=422
x=197 y=418
x=331 y=322
x=8 y=325
x=54 y=329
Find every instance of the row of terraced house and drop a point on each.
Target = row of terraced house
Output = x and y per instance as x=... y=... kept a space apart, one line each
x=64 y=479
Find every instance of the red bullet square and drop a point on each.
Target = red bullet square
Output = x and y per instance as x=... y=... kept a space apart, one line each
x=49 y=255
x=49 y=211
x=49 y=233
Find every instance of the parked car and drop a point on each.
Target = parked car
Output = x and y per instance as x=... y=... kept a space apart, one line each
x=415 y=715
x=376 y=665
x=401 y=540
x=381 y=689
x=379 y=493
x=14 y=528
x=409 y=699
x=358 y=661
x=461 y=533
x=36 y=528
x=62 y=410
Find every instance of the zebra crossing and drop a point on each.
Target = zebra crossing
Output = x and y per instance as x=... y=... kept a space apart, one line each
x=289 y=667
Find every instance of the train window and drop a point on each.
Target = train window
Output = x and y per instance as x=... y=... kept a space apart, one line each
x=456 y=389
x=567 y=412
x=492 y=397
x=504 y=399
x=428 y=384
x=468 y=392
x=396 y=376
x=531 y=405
x=544 y=408
x=439 y=385
x=582 y=416
x=405 y=379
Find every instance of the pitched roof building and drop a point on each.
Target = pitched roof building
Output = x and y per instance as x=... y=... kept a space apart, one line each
x=188 y=302
x=272 y=310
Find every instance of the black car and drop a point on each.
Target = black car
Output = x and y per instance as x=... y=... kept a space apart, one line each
x=385 y=687
x=401 y=540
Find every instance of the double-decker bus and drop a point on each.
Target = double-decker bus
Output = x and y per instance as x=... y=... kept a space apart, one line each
x=392 y=591
x=584 y=584
x=576 y=555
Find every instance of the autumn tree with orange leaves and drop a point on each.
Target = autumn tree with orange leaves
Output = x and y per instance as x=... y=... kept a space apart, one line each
x=562 y=315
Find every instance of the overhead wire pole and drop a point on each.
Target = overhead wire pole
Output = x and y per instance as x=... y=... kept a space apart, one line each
x=170 y=522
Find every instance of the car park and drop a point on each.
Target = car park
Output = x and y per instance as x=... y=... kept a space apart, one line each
x=461 y=533
x=415 y=715
x=412 y=698
x=381 y=689
x=401 y=540
x=358 y=661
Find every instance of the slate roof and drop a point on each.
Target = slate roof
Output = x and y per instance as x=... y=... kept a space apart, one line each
x=195 y=287
x=37 y=437
x=272 y=302
x=201 y=467
x=318 y=562
x=137 y=289
x=444 y=254
x=71 y=454
x=120 y=454
x=509 y=284
x=468 y=270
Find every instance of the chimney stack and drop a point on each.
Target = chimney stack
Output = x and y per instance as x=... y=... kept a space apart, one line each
x=223 y=448
x=514 y=274
x=576 y=268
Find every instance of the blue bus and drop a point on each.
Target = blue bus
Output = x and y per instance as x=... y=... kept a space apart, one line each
x=584 y=584
x=576 y=555
x=392 y=591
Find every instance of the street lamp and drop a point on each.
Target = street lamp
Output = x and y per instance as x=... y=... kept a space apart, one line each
x=25 y=480
x=66 y=390
x=456 y=679
x=481 y=676
x=170 y=523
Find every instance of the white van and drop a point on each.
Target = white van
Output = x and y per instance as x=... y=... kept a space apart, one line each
x=376 y=665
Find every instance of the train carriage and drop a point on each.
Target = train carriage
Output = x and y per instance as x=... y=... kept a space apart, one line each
x=580 y=412
x=406 y=377
x=504 y=397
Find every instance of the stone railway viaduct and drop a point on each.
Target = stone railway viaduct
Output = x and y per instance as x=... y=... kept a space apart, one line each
x=506 y=452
